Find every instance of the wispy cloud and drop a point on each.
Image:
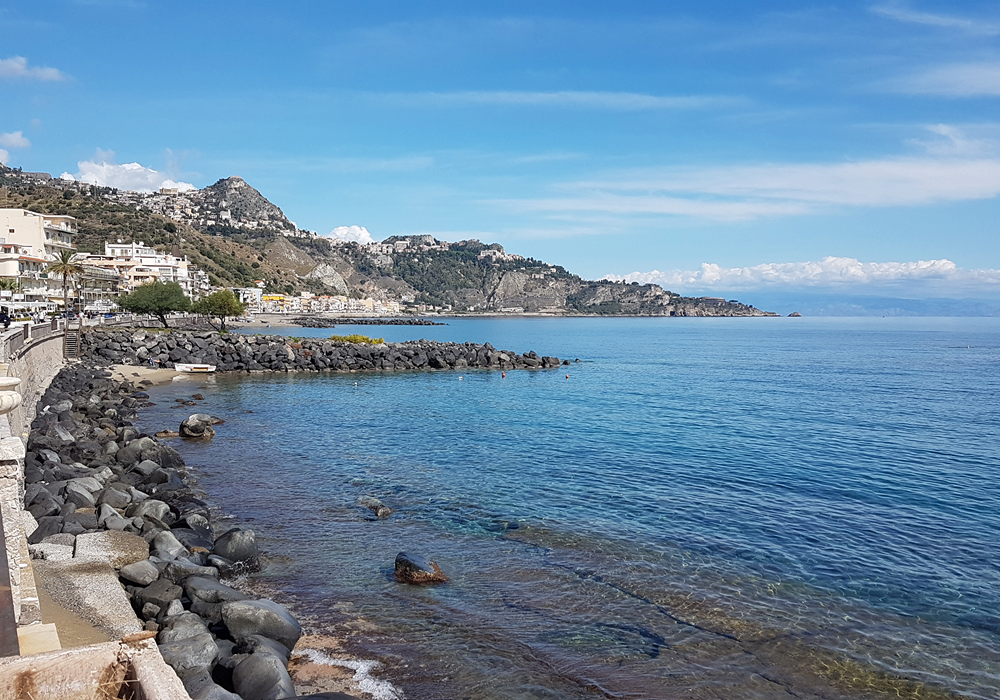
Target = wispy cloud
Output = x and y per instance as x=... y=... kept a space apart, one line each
x=739 y=193
x=980 y=79
x=950 y=141
x=616 y=101
x=902 y=13
x=828 y=272
x=14 y=139
x=4 y=156
x=17 y=68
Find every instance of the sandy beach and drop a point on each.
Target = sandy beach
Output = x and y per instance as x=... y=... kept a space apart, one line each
x=136 y=373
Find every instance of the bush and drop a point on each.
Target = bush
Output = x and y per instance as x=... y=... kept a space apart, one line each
x=356 y=338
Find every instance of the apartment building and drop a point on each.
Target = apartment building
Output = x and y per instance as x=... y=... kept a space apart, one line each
x=29 y=241
x=139 y=264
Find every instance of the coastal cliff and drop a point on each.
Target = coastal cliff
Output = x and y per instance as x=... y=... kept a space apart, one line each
x=236 y=235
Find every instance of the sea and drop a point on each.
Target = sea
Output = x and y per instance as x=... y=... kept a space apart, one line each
x=734 y=508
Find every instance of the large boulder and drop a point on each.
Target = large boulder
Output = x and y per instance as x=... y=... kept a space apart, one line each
x=197 y=426
x=262 y=676
x=238 y=546
x=160 y=593
x=141 y=573
x=244 y=618
x=183 y=655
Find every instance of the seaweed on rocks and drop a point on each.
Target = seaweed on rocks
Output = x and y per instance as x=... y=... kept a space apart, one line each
x=89 y=470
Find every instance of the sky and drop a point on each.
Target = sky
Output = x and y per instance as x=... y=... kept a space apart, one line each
x=711 y=147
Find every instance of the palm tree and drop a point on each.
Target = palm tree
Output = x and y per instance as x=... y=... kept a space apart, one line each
x=65 y=266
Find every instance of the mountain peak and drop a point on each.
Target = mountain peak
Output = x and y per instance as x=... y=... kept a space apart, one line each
x=245 y=206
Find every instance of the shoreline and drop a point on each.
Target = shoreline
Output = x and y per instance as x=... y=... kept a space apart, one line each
x=90 y=472
x=99 y=487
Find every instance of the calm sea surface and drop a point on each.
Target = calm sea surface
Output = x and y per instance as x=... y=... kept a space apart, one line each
x=705 y=508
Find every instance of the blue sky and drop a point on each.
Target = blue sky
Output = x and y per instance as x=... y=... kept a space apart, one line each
x=711 y=146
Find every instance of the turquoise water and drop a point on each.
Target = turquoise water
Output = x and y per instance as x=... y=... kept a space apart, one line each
x=738 y=508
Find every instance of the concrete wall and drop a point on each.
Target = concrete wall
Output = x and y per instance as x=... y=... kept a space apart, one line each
x=35 y=363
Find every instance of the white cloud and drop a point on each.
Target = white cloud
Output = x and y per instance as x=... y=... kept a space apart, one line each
x=900 y=12
x=14 y=140
x=980 y=79
x=828 y=272
x=17 y=67
x=356 y=234
x=619 y=101
x=4 y=156
x=180 y=186
x=129 y=176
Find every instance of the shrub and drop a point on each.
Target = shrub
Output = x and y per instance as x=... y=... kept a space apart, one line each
x=356 y=338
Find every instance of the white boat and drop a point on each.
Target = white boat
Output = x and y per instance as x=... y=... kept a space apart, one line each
x=182 y=367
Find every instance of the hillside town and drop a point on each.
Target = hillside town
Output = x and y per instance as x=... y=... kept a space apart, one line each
x=31 y=241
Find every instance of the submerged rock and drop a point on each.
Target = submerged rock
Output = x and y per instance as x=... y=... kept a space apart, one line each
x=376 y=506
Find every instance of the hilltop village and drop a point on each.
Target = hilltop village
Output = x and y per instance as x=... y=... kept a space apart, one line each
x=228 y=235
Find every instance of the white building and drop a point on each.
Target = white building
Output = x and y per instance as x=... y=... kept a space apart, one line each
x=29 y=241
x=139 y=264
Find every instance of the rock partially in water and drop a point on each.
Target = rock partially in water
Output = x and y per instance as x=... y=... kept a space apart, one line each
x=414 y=568
x=262 y=676
x=244 y=618
x=198 y=426
x=240 y=547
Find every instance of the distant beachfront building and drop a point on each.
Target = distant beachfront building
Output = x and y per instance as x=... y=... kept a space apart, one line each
x=252 y=297
x=307 y=302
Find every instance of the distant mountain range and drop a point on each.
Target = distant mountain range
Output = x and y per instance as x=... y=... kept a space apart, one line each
x=236 y=235
x=833 y=303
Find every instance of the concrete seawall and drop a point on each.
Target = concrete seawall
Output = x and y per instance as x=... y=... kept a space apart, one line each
x=35 y=361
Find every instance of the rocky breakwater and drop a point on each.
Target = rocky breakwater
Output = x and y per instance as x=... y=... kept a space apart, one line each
x=104 y=493
x=233 y=352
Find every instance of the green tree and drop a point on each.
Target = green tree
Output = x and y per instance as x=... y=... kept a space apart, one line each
x=157 y=298
x=222 y=304
x=65 y=266
x=9 y=284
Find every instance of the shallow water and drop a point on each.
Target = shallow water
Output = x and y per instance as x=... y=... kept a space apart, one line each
x=738 y=508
